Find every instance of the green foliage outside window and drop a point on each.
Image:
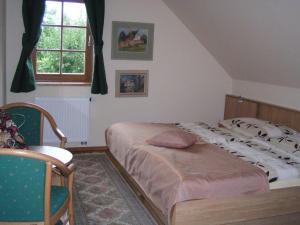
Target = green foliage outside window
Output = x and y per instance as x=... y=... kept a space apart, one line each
x=73 y=38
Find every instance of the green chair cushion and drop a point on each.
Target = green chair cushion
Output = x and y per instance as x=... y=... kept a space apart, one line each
x=22 y=182
x=58 y=197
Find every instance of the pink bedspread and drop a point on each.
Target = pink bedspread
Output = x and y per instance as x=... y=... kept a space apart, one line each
x=169 y=176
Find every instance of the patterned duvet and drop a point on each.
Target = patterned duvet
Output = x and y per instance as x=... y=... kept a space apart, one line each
x=276 y=162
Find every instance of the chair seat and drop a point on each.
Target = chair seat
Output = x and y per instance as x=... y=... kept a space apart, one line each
x=58 y=197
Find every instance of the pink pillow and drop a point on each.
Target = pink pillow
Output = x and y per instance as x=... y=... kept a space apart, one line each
x=173 y=139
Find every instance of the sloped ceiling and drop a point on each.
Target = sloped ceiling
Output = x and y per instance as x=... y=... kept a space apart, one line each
x=255 y=40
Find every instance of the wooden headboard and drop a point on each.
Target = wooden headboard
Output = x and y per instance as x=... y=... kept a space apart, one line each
x=236 y=106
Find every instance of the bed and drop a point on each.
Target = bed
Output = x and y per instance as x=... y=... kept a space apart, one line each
x=174 y=190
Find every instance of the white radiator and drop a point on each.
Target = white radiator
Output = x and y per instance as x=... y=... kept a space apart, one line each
x=71 y=115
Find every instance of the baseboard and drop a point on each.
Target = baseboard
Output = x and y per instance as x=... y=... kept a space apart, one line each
x=90 y=149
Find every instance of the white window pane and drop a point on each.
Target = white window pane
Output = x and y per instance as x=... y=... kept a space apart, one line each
x=74 y=14
x=52 y=14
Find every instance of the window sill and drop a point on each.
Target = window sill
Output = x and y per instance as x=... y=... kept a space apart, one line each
x=42 y=83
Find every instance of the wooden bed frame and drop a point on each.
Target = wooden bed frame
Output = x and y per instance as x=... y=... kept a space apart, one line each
x=278 y=207
x=242 y=107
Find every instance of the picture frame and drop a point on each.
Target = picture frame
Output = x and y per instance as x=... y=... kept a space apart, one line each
x=132 y=83
x=132 y=40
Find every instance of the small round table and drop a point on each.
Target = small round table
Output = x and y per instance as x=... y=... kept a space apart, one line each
x=61 y=154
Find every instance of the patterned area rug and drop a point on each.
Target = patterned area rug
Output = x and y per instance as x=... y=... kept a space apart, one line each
x=101 y=195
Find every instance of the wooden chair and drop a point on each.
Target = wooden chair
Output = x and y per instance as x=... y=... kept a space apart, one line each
x=27 y=196
x=30 y=120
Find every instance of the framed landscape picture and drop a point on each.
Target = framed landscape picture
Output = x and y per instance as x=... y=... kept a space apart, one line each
x=132 y=83
x=132 y=40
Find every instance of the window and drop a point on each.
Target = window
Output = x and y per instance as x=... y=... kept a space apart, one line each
x=63 y=53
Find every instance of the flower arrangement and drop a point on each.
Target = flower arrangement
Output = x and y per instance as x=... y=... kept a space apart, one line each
x=9 y=133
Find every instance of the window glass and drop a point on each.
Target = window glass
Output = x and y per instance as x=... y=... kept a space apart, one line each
x=62 y=52
x=50 y=38
x=52 y=14
x=74 y=14
x=48 y=62
x=74 y=38
x=73 y=62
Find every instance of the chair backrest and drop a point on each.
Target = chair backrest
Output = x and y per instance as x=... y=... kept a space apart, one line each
x=29 y=118
x=22 y=185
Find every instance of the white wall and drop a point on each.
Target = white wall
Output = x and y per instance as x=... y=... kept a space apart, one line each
x=185 y=81
x=279 y=95
x=2 y=85
x=254 y=40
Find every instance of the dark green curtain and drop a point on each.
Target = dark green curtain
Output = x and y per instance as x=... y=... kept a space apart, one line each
x=33 y=12
x=95 y=11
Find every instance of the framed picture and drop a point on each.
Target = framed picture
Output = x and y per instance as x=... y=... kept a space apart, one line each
x=132 y=41
x=132 y=83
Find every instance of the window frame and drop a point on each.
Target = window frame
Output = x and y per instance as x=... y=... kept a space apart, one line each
x=88 y=60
